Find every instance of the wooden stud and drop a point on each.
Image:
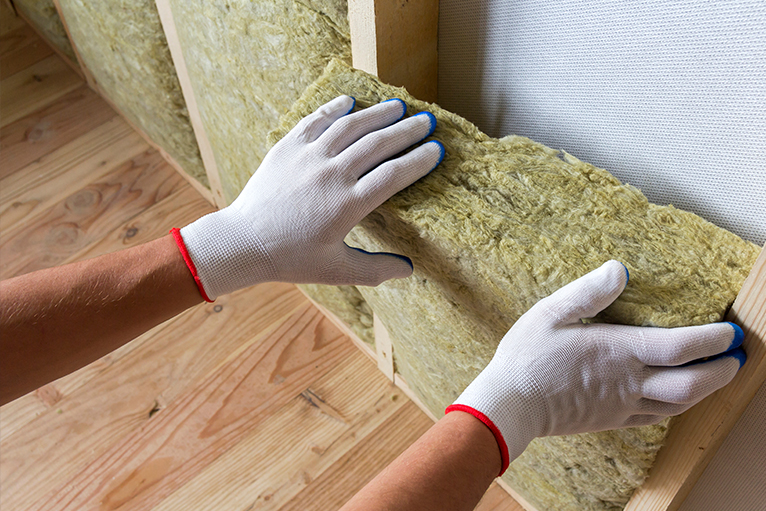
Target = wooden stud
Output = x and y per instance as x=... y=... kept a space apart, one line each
x=83 y=68
x=383 y=348
x=697 y=434
x=203 y=142
x=397 y=42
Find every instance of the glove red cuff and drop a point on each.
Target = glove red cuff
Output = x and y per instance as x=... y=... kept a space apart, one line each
x=189 y=263
x=504 y=457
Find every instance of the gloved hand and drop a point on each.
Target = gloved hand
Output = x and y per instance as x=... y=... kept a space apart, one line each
x=554 y=375
x=313 y=187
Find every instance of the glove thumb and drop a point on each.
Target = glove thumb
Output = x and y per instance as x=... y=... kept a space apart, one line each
x=588 y=295
x=370 y=269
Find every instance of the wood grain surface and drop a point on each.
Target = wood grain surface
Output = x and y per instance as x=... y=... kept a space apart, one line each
x=47 y=129
x=19 y=48
x=34 y=87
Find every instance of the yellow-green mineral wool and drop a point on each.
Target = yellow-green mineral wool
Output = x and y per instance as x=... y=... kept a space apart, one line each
x=248 y=62
x=502 y=223
x=123 y=45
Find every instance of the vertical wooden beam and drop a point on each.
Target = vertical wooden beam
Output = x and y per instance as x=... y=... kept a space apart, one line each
x=383 y=348
x=83 y=68
x=203 y=142
x=397 y=41
x=697 y=434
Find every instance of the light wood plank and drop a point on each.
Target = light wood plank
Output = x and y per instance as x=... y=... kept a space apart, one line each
x=50 y=128
x=146 y=466
x=697 y=434
x=343 y=327
x=362 y=462
x=178 y=210
x=19 y=49
x=35 y=87
x=203 y=142
x=384 y=350
x=397 y=42
x=9 y=21
x=297 y=444
x=26 y=195
x=165 y=369
x=87 y=215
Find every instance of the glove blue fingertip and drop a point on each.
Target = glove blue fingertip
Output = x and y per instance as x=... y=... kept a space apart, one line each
x=441 y=155
x=404 y=106
x=430 y=118
x=627 y=273
x=739 y=354
x=739 y=336
x=353 y=105
x=403 y=258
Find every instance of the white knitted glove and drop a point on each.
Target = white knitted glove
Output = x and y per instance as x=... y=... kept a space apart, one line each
x=313 y=187
x=554 y=375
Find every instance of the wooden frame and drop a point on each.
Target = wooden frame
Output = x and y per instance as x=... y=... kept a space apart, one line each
x=397 y=41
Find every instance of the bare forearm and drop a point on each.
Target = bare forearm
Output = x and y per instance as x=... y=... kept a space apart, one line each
x=448 y=468
x=57 y=320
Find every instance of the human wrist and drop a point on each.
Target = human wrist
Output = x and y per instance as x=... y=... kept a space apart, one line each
x=226 y=253
x=466 y=429
x=504 y=402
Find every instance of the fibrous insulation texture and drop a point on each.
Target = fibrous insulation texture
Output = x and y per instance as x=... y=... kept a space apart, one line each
x=44 y=16
x=123 y=46
x=502 y=223
x=248 y=61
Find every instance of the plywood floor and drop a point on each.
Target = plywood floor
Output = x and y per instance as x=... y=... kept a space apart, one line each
x=254 y=402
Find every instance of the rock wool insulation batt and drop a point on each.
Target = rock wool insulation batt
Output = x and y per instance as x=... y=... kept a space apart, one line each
x=502 y=223
x=124 y=47
x=248 y=61
x=43 y=15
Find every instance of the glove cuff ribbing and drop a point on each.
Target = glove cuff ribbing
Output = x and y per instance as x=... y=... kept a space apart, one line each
x=227 y=253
